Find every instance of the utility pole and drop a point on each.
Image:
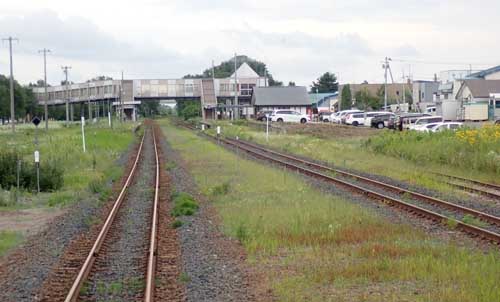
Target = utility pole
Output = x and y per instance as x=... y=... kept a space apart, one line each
x=121 y=100
x=237 y=112
x=46 y=96
x=65 y=70
x=386 y=67
x=12 y=113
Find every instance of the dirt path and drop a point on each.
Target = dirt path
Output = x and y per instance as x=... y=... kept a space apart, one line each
x=28 y=221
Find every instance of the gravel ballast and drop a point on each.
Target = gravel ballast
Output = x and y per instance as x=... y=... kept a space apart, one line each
x=213 y=264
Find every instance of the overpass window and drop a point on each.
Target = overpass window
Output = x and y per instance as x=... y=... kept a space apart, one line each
x=189 y=88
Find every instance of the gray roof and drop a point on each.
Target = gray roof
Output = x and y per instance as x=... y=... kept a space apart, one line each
x=280 y=96
x=482 y=88
x=485 y=72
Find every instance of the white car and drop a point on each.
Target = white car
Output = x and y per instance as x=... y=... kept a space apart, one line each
x=342 y=114
x=422 y=121
x=355 y=119
x=446 y=126
x=289 y=116
x=428 y=127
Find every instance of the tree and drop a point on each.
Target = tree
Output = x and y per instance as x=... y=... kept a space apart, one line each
x=99 y=78
x=346 y=98
x=226 y=69
x=188 y=109
x=291 y=83
x=364 y=100
x=149 y=108
x=325 y=83
x=24 y=100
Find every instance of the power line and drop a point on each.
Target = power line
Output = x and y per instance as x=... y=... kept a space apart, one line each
x=443 y=63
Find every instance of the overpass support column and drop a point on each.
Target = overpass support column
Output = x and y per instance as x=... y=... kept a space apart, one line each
x=72 y=111
x=90 y=111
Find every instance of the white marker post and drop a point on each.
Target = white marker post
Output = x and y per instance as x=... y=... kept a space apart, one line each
x=202 y=127
x=83 y=133
x=267 y=128
x=218 y=134
x=37 y=163
x=109 y=119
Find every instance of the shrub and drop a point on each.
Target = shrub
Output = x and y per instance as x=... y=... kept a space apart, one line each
x=51 y=175
x=221 y=189
x=96 y=186
x=184 y=204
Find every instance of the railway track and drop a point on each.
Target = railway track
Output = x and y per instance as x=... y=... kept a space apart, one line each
x=117 y=258
x=331 y=175
x=473 y=186
x=97 y=253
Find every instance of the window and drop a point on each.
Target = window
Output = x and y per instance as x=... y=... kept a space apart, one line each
x=189 y=88
x=497 y=104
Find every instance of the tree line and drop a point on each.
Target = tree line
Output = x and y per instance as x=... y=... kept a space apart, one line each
x=24 y=101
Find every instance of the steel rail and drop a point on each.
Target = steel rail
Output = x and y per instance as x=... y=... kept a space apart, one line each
x=470 y=229
x=150 y=274
x=473 y=181
x=439 y=202
x=89 y=261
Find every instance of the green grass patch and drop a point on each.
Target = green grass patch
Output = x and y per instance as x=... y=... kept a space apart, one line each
x=317 y=247
x=184 y=204
x=8 y=240
x=177 y=224
x=60 y=198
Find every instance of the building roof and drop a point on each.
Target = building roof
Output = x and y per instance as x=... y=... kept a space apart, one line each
x=481 y=88
x=245 y=71
x=281 y=96
x=483 y=73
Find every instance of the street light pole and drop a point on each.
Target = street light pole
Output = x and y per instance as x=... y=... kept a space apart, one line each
x=12 y=112
x=46 y=109
x=65 y=70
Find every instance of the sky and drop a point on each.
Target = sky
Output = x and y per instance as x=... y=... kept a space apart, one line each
x=298 y=40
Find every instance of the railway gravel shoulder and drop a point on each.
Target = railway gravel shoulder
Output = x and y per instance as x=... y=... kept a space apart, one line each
x=214 y=265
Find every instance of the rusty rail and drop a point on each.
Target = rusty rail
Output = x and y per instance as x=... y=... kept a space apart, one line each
x=436 y=201
x=150 y=274
x=467 y=228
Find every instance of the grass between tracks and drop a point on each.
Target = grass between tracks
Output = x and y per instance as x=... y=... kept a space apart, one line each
x=313 y=246
x=85 y=174
x=402 y=157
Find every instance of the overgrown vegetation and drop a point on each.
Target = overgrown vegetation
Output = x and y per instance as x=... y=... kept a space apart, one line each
x=184 y=204
x=51 y=174
x=329 y=248
x=477 y=149
x=9 y=239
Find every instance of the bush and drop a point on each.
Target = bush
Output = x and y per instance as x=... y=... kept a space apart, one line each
x=221 y=189
x=51 y=175
x=184 y=204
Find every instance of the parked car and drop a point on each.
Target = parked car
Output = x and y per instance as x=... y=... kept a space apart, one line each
x=431 y=110
x=370 y=115
x=289 y=116
x=446 y=126
x=428 y=127
x=382 y=120
x=405 y=120
x=497 y=122
x=340 y=117
x=422 y=121
x=355 y=119
x=261 y=115
x=325 y=116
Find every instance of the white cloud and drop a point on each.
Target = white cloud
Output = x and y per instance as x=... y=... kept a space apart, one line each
x=298 y=39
